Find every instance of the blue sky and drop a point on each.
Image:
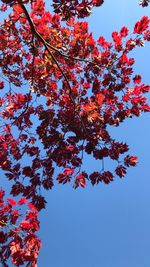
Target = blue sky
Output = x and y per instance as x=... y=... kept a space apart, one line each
x=106 y=225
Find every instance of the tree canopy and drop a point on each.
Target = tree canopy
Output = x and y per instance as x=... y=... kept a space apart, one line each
x=61 y=91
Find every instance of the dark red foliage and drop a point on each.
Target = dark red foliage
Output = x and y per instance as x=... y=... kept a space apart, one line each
x=144 y=3
x=120 y=171
x=79 y=8
x=130 y=160
x=72 y=96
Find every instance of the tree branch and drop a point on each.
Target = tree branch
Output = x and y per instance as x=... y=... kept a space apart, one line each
x=34 y=31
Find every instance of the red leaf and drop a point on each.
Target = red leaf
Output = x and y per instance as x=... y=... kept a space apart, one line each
x=99 y=98
x=120 y=171
x=25 y=225
x=1 y=85
x=68 y=172
x=80 y=180
x=31 y=206
x=137 y=79
x=141 y=25
x=3 y=237
x=11 y=202
x=130 y=160
x=22 y=201
x=124 y=31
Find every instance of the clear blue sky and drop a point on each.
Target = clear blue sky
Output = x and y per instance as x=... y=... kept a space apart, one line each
x=107 y=225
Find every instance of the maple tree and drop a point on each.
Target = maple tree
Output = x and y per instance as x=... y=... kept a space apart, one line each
x=60 y=92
